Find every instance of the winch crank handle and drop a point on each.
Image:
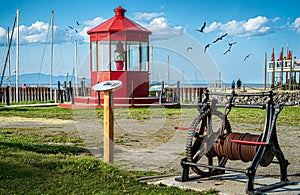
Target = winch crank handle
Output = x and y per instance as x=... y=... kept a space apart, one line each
x=229 y=104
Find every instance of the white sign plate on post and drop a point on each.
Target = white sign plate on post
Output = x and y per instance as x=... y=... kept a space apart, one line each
x=108 y=85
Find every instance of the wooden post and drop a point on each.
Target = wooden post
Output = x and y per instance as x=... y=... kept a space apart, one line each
x=178 y=92
x=7 y=95
x=132 y=93
x=108 y=120
x=108 y=127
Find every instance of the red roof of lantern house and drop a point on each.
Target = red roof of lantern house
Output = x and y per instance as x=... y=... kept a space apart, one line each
x=119 y=23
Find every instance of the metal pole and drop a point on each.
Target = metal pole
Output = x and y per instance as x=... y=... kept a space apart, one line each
x=99 y=99
x=273 y=73
x=281 y=72
x=265 y=77
x=168 y=70
x=71 y=93
x=75 y=64
x=17 y=59
x=290 y=81
x=51 y=54
x=161 y=92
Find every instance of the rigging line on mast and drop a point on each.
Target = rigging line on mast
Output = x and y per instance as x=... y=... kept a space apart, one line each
x=7 y=55
x=43 y=56
x=59 y=56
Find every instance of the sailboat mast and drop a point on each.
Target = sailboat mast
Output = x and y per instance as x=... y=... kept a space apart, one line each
x=75 y=64
x=9 y=68
x=51 y=54
x=17 y=58
x=168 y=71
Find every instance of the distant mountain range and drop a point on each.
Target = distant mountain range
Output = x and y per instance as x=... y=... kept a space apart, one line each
x=38 y=79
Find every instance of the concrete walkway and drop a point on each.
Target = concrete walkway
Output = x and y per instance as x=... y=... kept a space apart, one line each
x=229 y=183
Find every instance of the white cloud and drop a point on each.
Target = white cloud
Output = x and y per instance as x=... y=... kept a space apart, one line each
x=147 y=16
x=212 y=27
x=252 y=27
x=159 y=23
x=296 y=24
x=2 y=32
x=88 y=25
x=83 y=34
x=37 y=31
x=38 y=26
x=255 y=23
x=276 y=19
x=233 y=27
x=161 y=29
x=93 y=23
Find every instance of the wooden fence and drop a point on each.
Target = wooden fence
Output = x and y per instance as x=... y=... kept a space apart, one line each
x=9 y=94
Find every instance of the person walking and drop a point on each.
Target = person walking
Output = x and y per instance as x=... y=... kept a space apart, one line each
x=239 y=83
x=233 y=85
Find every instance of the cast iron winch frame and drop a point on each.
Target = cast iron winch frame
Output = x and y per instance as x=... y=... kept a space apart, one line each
x=202 y=140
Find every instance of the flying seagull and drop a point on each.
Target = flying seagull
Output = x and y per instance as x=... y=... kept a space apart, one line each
x=230 y=45
x=187 y=49
x=220 y=38
x=206 y=46
x=247 y=56
x=224 y=35
x=72 y=28
x=228 y=50
x=202 y=28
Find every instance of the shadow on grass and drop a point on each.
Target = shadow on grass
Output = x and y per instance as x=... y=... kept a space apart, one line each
x=44 y=148
x=11 y=171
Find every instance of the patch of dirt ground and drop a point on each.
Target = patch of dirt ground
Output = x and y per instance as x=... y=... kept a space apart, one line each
x=154 y=144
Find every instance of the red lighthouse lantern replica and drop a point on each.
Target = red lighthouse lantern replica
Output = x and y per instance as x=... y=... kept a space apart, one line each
x=119 y=56
x=119 y=50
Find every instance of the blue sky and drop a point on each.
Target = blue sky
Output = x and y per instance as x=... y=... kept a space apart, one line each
x=256 y=26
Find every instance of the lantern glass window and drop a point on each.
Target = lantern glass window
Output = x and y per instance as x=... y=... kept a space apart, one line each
x=117 y=54
x=94 y=56
x=133 y=56
x=103 y=58
x=145 y=56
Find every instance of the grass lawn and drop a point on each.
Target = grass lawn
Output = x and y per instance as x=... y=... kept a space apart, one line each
x=34 y=162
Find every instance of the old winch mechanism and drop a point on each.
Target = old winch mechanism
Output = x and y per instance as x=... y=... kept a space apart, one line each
x=218 y=145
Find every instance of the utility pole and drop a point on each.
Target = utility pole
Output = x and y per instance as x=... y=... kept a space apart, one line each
x=265 y=76
x=17 y=58
x=76 y=72
x=51 y=54
x=168 y=70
